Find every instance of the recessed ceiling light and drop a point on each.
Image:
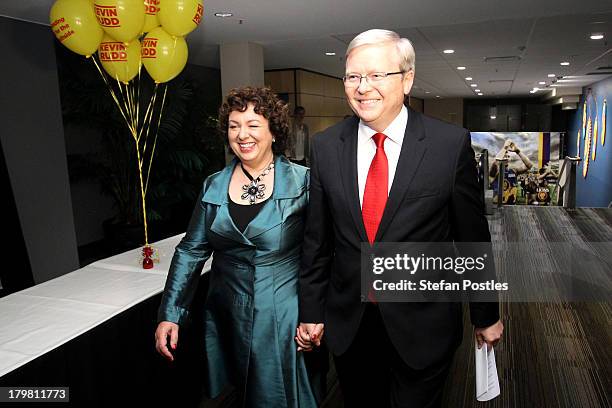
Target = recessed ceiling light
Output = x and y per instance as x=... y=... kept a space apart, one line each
x=493 y=117
x=224 y=14
x=330 y=54
x=479 y=93
x=551 y=75
x=597 y=36
x=476 y=90
x=541 y=83
x=448 y=51
x=564 y=63
x=460 y=68
x=437 y=96
x=427 y=92
x=468 y=78
x=474 y=85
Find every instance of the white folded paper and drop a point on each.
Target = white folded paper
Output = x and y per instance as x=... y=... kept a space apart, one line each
x=487 y=382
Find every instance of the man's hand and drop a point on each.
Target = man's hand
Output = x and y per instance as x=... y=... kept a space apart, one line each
x=490 y=335
x=309 y=334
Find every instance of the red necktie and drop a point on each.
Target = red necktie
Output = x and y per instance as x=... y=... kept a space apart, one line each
x=376 y=189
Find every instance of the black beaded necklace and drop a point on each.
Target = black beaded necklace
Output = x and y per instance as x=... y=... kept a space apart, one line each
x=255 y=190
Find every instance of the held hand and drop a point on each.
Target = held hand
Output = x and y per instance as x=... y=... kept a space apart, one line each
x=309 y=334
x=165 y=329
x=490 y=335
x=302 y=339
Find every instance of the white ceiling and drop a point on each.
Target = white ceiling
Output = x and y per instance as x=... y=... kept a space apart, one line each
x=296 y=34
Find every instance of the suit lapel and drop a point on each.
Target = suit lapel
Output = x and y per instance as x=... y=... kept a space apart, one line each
x=347 y=157
x=410 y=158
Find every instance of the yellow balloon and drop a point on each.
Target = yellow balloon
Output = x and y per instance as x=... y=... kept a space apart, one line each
x=123 y=20
x=74 y=24
x=163 y=55
x=121 y=61
x=180 y=17
x=151 y=20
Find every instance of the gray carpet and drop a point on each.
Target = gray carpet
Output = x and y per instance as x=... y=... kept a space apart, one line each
x=552 y=354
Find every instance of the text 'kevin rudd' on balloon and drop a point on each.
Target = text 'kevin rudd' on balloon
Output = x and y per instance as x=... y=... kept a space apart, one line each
x=163 y=55
x=123 y=20
x=121 y=61
x=74 y=24
x=180 y=17
x=151 y=20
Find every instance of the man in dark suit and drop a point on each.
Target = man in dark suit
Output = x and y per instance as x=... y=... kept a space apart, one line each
x=388 y=174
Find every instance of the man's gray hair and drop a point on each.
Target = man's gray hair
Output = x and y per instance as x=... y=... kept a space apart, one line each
x=377 y=37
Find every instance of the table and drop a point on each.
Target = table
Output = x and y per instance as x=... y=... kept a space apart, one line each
x=44 y=317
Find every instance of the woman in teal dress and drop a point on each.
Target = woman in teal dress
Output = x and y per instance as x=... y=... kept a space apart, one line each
x=250 y=218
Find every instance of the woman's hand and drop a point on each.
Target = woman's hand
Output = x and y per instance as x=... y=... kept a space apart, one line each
x=309 y=335
x=165 y=329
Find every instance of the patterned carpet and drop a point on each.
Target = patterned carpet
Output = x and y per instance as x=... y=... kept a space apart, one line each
x=552 y=354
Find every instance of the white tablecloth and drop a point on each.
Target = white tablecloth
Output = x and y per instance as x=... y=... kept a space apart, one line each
x=43 y=317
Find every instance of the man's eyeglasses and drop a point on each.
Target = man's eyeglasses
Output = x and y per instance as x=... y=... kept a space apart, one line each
x=353 y=80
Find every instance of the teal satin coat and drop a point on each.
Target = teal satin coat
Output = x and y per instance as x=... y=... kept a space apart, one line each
x=252 y=305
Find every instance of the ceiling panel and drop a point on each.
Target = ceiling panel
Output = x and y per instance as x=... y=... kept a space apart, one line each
x=297 y=33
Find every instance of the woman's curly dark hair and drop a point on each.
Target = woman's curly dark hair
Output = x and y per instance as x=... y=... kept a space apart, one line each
x=265 y=103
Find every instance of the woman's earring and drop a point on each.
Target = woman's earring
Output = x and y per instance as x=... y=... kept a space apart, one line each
x=273 y=140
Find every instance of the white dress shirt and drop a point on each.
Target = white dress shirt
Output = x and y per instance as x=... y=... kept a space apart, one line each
x=366 y=148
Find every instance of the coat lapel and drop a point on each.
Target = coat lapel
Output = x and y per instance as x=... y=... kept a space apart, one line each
x=410 y=158
x=347 y=157
x=287 y=185
x=217 y=194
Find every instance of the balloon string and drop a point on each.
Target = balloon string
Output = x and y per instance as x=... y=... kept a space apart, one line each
x=140 y=159
x=128 y=103
x=123 y=99
x=110 y=88
x=148 y=113
x=142 y=196
x=135 y=135
x=147 y=125
x=161 y=111
x=138 y=96
x=133 y=102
